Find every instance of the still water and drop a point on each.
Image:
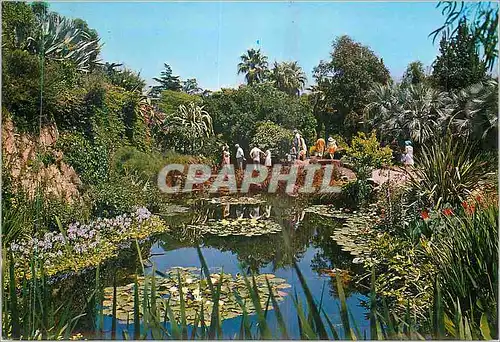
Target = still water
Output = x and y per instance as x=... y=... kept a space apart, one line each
x=305 y=239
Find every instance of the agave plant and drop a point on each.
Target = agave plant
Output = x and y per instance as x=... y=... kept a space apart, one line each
x=60 y=39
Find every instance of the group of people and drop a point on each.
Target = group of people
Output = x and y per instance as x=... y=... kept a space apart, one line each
x=321 y=149
x=256 y=154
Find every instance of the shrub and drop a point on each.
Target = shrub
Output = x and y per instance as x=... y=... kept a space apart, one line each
x=90 y=160
x=272 y=136
x=128 y=160
x=366 y=154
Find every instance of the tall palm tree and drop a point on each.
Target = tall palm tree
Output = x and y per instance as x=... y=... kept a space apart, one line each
x=289 y=77
x=254 y=65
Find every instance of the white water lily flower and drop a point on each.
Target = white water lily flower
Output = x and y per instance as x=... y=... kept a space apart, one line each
x=208 y=302
x=189 y=280
x=184 y=289
x=173 y=289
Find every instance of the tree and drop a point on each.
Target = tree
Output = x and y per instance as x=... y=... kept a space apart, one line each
x=170 y=100
x=345 y=81
x=414 y=74
x=475 y=116
x=458 y=65
x=288 y=77
x=190 y=86
x=236 y=112
x=483 y=26
x=254 y=65
x=167 y=82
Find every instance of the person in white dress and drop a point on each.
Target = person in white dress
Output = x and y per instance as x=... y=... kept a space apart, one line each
x=268 y=161
x=408 y=157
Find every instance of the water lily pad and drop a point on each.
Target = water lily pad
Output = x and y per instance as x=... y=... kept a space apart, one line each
x=195 y=293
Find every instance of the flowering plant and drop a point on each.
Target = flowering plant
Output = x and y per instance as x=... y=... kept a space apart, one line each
x=84 y=245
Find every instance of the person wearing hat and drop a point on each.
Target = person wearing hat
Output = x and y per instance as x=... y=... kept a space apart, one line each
x=303 y=149
x=332 y=147
x=408 y=156
x=240 y=157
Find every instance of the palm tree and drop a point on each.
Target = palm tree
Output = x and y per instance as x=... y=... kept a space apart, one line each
x=476 y=111
x=416 y=111
x=289 y=77
x=254 y=65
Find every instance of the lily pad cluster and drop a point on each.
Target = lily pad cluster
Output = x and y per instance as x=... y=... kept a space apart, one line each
x=235 y=200
x=195 y=293
x=247 y=227
x=356 y=234
x=174 y=209
x=84 y=245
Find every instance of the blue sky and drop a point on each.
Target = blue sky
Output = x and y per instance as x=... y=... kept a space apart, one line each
x=205 y=39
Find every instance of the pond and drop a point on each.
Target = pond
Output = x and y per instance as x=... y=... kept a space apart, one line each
x=288 y=234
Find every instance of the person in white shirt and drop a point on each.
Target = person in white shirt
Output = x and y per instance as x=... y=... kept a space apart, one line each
x=240 y=157
x=255 y=155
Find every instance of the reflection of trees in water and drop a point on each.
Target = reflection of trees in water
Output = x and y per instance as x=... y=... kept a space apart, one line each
x=329 y=255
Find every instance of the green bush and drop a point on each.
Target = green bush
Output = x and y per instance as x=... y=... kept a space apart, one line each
x=365 y=154
x=272 y=136
x=90 y=160
x=128 y=160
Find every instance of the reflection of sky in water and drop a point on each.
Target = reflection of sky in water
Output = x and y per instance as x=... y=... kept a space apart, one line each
x=216 y=259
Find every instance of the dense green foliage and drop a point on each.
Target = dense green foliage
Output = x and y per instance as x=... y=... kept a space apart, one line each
x=235 y=112
x=117 y=140
x=170 y=100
